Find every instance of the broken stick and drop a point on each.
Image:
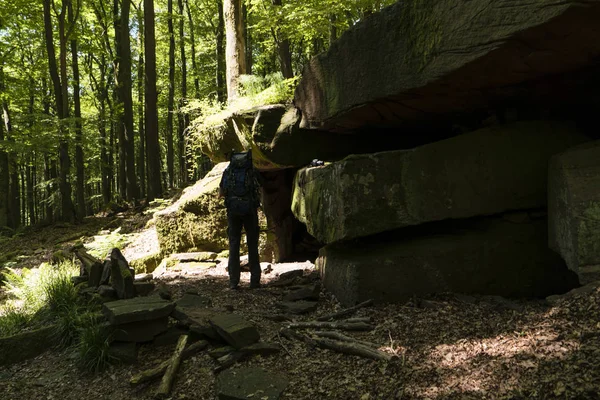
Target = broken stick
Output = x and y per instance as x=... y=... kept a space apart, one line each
x=353 y=349
x=157 y=372
x=343 y=338
x=342 y=325
x=345 y=312
x=167 y=381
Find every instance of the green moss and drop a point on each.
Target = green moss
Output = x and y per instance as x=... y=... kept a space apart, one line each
x=146 y=264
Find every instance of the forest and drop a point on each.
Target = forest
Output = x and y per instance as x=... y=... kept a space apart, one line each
x=99 y=98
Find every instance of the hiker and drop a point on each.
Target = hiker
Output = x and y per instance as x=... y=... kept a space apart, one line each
x=239 y=185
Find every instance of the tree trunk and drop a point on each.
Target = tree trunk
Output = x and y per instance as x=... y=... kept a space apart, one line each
x=193 y=44
x=152 y=145
x=140 y=87
x=332 y=29
x=283 y=49
x=4 y=182
x=127 y=178
x=182 y=117
x=248 y=37
x=14 y=199
x=171 y=98
x=62 y=106
x=235 y=44
x=79 y=167
x=220 y=37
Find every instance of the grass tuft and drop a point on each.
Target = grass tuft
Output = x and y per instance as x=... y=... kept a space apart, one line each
x=93 y=345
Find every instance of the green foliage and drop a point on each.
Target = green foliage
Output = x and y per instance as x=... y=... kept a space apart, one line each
x=93 y=345
x=67 y=324
x=102 y=244
x=12 y=320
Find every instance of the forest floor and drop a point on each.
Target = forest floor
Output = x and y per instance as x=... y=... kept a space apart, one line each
x=449 y=346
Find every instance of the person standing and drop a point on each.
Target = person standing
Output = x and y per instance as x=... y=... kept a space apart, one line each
x=240 y=187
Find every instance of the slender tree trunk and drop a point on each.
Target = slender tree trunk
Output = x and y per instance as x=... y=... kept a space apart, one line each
x=127 y=178
x=220 y=37
x=283 y=49
x=152 y=144
x=235 y=53
x=79 y=167
x=30 y=162
x=183 y=118
x=332 y=29
x=4 y=173
x=14 y=199
x=140 y=88
x=171 y=98
x=193 y=44
x=248 y=37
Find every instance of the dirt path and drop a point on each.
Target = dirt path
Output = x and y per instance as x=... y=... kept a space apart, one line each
x=449 y=347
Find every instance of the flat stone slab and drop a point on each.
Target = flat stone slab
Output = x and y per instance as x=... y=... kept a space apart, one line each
x=235 y=330
x=137 y=309
x=484 y=172
x=250 y=382
x=310 y=292
x=298 y=307
x=193 y=300
x=486 y=256
x=141 y=331
x=194 y=256
x=574 y=209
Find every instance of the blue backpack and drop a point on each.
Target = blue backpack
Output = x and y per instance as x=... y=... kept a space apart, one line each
x=240 y=185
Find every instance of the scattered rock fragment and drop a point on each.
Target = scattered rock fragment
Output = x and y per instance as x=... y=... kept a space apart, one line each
x=235 y=330
x=298 y=307
x=305 y=293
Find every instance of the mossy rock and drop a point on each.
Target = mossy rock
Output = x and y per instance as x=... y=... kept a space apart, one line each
x=23 y=346
x=147 y=263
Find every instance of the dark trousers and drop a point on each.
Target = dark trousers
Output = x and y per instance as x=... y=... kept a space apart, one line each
x=234 y=232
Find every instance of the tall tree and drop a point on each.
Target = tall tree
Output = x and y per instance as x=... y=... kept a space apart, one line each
x=235 y=45
x=283 y=48
x=171 y=98
x=193 y=45
x=14 y=199
x=220 y=54
x=152 y=143
x=62 y=105
x=79 y=165
x=182 y=117
x=140 y=89
x=128 y=182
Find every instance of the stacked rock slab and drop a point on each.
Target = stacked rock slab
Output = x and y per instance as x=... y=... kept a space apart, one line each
x=437 y=57
x=485 y=256
x=139 y=319
x=484 y=172
x=574 y=209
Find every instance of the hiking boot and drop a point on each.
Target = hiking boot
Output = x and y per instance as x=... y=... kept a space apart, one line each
x=255 y=285
x=233 y=286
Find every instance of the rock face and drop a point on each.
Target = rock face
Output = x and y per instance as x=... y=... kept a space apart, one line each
x=574 y=209
x=197 y=220
x=480 y=173
x=437 y=57
x=486 y=256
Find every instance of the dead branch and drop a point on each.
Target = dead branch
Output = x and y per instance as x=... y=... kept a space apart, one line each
x=167 y=381
x=342 y=325
x=293 y=335
x=353 y=349
x=345 y=312
x=157 y=372
x=344 y=338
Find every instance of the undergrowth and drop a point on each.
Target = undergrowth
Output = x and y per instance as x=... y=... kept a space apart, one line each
x=208 y=128
x=102 y=244
x=47 y=295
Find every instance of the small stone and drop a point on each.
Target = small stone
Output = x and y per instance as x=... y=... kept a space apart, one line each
x=143 y=277
x=261 y=349
x=235 y=330
x=250 y=382
x=306 y=293
x=298 y=307
x=193 y=300
x=107 y=292
x=296 y=273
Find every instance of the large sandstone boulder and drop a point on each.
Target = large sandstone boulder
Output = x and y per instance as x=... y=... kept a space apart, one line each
x=487 y=256
x=437 y=57
x=197 y=220
x=273 y=133
x=480 y=173
x=574 y=209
